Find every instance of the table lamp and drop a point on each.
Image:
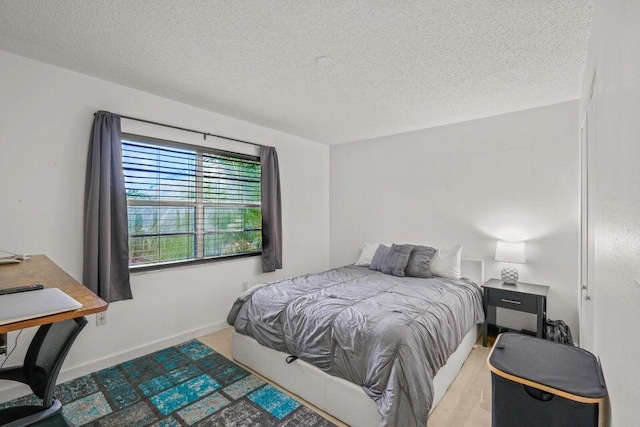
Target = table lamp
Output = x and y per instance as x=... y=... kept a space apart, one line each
x=510 y=252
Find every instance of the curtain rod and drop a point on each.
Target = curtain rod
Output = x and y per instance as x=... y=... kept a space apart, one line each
x=204 y=134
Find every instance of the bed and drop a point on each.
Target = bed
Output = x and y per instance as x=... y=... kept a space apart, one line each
x=373 y=349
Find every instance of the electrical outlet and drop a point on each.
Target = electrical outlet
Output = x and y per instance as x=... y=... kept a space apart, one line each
x=101 y=318
x=245 y=286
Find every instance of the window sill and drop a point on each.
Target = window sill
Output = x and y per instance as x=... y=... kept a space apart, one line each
x=178 y=265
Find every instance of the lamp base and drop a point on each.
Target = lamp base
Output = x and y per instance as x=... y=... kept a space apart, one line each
x=510 y=275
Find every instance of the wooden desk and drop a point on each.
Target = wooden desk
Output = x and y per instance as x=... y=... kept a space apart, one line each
x=40 y=269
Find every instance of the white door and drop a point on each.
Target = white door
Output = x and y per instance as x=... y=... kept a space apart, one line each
x=587 y=243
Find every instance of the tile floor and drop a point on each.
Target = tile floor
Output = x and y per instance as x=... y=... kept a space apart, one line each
x=467 y=403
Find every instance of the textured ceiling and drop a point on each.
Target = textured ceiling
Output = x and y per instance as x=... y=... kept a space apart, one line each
x=397 y=65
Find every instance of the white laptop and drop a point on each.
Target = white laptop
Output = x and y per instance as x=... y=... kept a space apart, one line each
x=29 y=305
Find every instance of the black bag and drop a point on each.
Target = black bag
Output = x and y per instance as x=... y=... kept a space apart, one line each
x=558 y=331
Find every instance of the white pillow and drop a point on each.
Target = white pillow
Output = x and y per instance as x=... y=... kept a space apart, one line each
x=446 y=262
x=368 y=251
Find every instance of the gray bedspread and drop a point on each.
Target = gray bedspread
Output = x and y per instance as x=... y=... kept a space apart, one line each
x=388 y=334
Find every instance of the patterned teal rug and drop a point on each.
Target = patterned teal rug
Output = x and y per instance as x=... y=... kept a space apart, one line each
x=189 y=384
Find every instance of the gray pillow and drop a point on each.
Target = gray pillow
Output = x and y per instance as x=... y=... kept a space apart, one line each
x=396 y=259
x=419 y=264
x=378 y=260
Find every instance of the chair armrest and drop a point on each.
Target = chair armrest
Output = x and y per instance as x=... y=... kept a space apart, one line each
x=13 y=374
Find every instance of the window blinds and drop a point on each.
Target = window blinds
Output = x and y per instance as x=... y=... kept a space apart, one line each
x=187 y=203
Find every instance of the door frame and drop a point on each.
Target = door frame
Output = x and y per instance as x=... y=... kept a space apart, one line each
x=586 y=290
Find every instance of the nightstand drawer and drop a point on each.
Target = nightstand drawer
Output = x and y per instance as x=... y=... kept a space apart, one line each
x=513 y=300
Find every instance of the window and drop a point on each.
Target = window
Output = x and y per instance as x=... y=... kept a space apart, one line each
x=189 y=203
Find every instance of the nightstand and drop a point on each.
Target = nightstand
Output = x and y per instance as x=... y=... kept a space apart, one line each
x=525 y=297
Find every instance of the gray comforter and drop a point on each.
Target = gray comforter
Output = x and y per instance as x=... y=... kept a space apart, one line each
x=388 y=334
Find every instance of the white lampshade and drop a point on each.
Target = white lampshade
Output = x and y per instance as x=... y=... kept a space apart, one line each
x=510 y=252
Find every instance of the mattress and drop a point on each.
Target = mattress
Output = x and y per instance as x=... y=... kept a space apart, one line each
x=389 y=335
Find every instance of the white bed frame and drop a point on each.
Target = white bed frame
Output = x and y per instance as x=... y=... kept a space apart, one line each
x=336 y=396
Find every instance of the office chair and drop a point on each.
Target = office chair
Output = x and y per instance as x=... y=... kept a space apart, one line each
x=42 y=364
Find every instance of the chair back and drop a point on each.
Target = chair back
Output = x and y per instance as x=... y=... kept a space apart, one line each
x=46 y=355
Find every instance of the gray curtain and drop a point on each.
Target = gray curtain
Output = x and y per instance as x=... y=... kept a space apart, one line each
x=106 y=239
x=271 y=210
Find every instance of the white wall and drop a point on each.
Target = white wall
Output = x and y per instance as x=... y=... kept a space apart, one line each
x=45 y=119
x=614 y=51
x=513 y=176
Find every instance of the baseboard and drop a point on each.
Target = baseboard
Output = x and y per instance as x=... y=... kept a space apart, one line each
x=14 y=390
